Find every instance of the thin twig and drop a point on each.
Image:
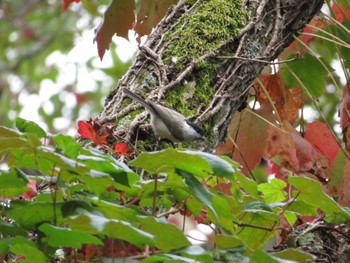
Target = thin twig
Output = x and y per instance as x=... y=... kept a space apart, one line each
x=297 y=56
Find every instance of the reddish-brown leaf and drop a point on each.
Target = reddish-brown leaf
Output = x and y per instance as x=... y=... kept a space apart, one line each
x=319 y=135
x=118 y=19
x=149 y=14
x=287 y=101
x=294 y=152
x=250 y=135
x=66 y=4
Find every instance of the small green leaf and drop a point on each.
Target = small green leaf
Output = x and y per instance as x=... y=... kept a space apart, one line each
x=65 y=237
x=30 y=127
x=273 y=190
x=295 y=255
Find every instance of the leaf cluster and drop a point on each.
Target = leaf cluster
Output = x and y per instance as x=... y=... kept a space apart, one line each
x=85 y=197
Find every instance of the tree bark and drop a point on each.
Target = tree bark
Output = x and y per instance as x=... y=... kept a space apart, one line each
x=209 y=78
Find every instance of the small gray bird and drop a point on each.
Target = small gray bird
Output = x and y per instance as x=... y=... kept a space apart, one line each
x=167 y=123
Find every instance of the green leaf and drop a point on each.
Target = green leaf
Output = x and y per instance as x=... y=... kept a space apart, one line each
x=197 y=163
x=291 y=217
x=114 y=211
x=221 y=166
x=12 y=183
x=8 y=133
x=28 y=215
x=311 y=76
x=166 y=236
x=260 y=256
x=273 y=190
x=295 y=255
x=67 y=145
x=65 y=237
x=257 y=227
x=30 y=127
x=226 y=242
x=24 y=247
x=12 y=229
x=250 y=186
x=98 y=224
x=310 y=191
x=4 y=246
x=99 y=161
x=198 y=190
x=162 y=161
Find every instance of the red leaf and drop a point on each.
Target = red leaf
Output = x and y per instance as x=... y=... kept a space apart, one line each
x=340 y=12
x=319 y=23
x=85 y=130
x=66 y=4
x=150 y=13
x=122 y=149
x=94 y=131
x=118 y=19
x=319 y=135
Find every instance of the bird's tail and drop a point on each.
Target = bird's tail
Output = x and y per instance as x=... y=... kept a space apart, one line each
x=137 y=98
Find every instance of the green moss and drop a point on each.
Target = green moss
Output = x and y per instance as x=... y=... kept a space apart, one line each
x=202 y=31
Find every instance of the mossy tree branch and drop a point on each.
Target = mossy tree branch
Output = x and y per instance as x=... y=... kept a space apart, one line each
x=184 y=64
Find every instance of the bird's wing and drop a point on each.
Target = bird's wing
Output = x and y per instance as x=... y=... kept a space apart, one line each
x=168 y=115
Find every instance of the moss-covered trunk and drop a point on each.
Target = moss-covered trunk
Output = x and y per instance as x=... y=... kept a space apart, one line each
x=194 y=62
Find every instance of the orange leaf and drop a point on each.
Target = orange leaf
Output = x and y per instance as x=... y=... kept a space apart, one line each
x=118 y=19
x=66 y=4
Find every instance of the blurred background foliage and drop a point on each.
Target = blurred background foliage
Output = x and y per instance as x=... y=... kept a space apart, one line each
x=49 y=69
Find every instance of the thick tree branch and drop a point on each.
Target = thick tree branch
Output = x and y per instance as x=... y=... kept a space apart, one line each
x=168 y=66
